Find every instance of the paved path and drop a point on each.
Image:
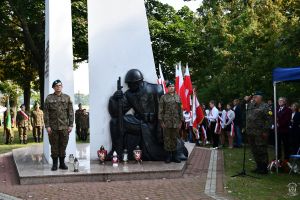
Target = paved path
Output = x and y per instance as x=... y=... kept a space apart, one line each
x=203 y=179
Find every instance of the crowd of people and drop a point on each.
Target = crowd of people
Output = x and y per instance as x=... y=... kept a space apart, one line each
x=221 y=126
x=249 y=120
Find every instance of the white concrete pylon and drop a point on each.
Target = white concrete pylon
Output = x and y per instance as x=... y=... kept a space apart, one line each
x=119 y=40
x=59 y=58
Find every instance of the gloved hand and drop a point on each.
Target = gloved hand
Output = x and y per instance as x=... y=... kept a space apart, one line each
x=118 y=94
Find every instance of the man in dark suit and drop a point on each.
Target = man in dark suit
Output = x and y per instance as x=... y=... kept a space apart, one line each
x=294 y=129
x=284 y=115
x=237 y=121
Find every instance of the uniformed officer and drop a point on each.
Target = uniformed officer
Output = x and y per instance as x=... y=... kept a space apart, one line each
x=84 y=125
x=170 y=117
x=59 y=118
x=258 y=122
x=23 y=123
x=37 y=122
x=78 y=114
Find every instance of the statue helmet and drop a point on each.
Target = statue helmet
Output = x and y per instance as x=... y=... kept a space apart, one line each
x=133 y=75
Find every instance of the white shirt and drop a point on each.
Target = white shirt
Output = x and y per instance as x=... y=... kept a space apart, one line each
x=213 y=114
x=230 y=114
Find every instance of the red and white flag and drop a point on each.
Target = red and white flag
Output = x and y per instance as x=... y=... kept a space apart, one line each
x=197 y=111
x=188 y=89
x=161 y=80
x=179 y=85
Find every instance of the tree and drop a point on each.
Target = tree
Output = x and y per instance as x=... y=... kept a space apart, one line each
x=22 y=41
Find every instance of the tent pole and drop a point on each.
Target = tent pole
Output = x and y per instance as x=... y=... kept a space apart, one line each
x=275 y=126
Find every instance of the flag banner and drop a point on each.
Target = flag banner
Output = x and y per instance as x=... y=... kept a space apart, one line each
x=8 y=116
x=197 y=112
x=188 y=89
x=161 y=80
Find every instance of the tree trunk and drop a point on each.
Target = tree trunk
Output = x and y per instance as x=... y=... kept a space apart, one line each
x=27 y=94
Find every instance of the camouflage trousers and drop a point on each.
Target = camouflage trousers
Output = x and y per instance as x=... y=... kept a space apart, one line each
x=170 y=138
x=58 y=140
x=22 y=133
x=37 y=132
x=259 y=148
x=9 y=135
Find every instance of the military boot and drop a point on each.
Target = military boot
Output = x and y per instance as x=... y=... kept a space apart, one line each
x=168 y=157
x=175 y=157
x=62 y=164
x=54 y=165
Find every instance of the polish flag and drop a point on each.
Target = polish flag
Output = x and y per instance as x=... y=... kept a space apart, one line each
x=197 y=111
x=188 y=89
x=179 y=86
x=161 y=80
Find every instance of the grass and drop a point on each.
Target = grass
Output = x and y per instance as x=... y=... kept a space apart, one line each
x=273 y=186
x=4 y=148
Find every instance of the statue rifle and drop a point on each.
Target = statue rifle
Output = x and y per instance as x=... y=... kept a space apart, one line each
x=120 y=114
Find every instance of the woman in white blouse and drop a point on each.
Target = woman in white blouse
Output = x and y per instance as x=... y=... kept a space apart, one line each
x=228 y=124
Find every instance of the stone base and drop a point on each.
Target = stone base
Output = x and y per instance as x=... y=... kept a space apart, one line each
x=33 y=168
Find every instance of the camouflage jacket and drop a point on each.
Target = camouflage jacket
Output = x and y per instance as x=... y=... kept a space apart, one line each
x=37 y=118
x=21 y=120
x=84 y=120
x=78 y=114
x=170 y=110
x=258 y=119
x=58 y=112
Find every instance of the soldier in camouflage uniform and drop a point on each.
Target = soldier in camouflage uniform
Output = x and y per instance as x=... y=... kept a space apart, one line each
x=84 y=124
x=23 y=124
x=37 y=122
x=59 y=118
x=258 y=122
x=170 y=117
x=78 y=114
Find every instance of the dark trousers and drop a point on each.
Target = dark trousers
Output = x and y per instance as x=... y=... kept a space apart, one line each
x=294 y=140
x=215 y=137
x=283 y=138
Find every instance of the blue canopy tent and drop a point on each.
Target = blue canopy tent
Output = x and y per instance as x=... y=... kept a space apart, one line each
x=281 y=75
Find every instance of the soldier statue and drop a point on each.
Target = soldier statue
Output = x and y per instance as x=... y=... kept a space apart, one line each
x=142 y=127
x=59 y=118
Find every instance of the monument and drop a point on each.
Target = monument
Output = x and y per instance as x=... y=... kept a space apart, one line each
x=59 y=58
x=119 y=40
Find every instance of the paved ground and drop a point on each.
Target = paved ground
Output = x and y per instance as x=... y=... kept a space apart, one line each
x=193 y=185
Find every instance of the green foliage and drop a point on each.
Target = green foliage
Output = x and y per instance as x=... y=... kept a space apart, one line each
x=231 y=46
x=81 y=98
x=272 y=186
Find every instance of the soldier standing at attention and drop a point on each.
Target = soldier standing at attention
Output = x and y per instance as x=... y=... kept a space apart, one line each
x=170 y=117
x=37 y=122
x=59 y=118
x=78 y=114
x=84 y=125
x=22 y=120
x=258 y=122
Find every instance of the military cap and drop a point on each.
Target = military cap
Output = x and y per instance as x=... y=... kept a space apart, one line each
x=169 y=83
x=55 y=83
x=258 y=93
